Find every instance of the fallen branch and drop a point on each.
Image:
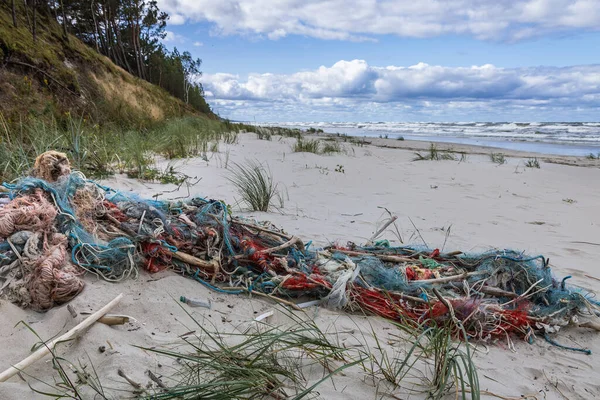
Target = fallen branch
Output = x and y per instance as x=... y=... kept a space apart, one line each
x=49 y=347
x=383 y=257
x=450 y=278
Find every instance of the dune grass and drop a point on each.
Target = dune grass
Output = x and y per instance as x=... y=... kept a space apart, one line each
x=254 y=184
x=263 y=362
x=434 y=154
x=101 y=151
x=316 y=146
x=532 y=163
x=425 y=353
x=307 y=146
x=498 y=158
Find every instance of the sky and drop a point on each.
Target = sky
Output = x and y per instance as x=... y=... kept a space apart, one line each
x=394 y=60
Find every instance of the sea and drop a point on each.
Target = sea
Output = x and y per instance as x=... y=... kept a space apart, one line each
x=559 y=138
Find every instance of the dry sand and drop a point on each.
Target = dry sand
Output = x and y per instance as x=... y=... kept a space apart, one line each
x=486 y=205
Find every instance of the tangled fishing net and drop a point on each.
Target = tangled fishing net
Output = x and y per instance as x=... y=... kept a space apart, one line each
x=57 y=225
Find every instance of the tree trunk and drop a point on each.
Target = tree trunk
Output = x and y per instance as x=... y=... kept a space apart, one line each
x=14 y=13
x=96 y=33
x=64 y=20
x=34 y=2
x=125 y=63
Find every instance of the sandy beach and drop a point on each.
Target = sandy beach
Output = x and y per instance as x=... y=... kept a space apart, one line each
x=469 y=205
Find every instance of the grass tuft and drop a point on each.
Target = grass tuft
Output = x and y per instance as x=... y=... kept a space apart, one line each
x=532 y=163
x=434 y=154
x=498 y=158
x=254 y=184
x=264 y=362
x=307 y=146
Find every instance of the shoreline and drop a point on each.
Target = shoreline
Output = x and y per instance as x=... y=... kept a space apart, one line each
x=421 y=146
x=564 y=139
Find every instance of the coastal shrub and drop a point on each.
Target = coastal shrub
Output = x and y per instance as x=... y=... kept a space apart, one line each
x=254 y=184
x=307 y=146
x=532 y=163
x=400 y=138
x=591 y=156
x=498 y=158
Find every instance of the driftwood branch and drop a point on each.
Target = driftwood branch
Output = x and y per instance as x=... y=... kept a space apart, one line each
x=49 y=347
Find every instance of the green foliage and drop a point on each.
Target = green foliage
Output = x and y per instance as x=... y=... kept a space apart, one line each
x=429 y=343
x=100 y=152
x=340 y=168
x=254 y=184
x=265 y=362
x=498 y=158
x=591 y=156
x=264 y=133
x=532 y=163
x=307 y=146
x=72 y=382
x=434 y=154
x=331 y=147
x=400 y=138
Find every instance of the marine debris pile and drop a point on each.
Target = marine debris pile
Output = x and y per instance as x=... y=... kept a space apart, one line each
x=56 y=225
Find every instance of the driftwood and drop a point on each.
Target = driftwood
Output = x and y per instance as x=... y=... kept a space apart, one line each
x=49 y=347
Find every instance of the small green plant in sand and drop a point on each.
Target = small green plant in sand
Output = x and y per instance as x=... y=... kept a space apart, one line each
x=434 y=154
x=400 y=138
x=340 y=168
x=498 y=158
x=532 y=163
x=167 y=176
x=264 y=362
x=307 y=146
x=254 y=184
x=591 y=156
x=442 y=366
x=77 y=382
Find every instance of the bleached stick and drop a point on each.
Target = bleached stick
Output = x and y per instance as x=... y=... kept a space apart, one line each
x=48 y=347
x=383 y=228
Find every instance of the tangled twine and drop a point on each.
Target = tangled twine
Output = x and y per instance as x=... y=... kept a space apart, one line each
x=51 y=165
x=54 y=280
x=31 y=212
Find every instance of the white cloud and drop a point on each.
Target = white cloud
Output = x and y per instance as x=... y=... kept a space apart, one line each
x=355 y=87
x=198 y=44
x=173 y=38
x=176 y=19
x=361 y=19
